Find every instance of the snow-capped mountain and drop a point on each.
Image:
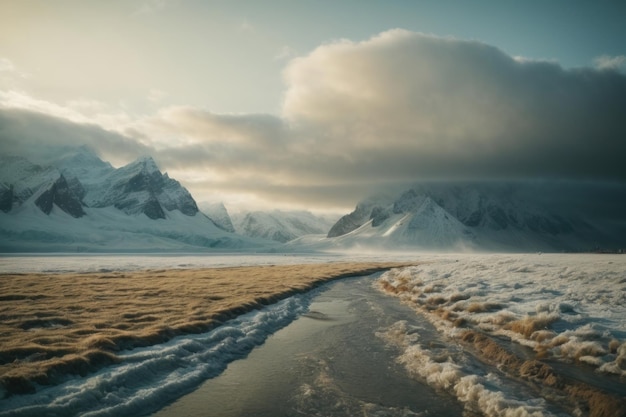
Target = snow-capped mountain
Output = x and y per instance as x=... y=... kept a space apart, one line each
x=79 y=202
x=280 y=226
x=218 y=213
x=473 y=216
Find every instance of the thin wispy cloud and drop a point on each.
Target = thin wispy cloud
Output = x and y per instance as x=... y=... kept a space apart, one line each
x=155 y=95
x=607 y=62
x=148 y=7
x=6 y=65
x=246 y=26
x=284 y=53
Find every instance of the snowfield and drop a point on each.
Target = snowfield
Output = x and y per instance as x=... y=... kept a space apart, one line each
x=565 y=313
x=110 y=230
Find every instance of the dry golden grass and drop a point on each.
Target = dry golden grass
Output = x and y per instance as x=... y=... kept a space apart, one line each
x=56 y=324
x=530 y=324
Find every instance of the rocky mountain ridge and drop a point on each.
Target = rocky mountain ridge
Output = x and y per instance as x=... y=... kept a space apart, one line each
x=492 y=216
x=134 y=207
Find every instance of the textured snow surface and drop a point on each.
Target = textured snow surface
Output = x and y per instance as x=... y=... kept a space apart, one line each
x=568 y=309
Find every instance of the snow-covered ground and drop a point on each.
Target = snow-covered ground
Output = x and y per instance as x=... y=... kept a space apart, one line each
x=110 y=230
x=106 y=262
x=60 y=263
x=567 y=311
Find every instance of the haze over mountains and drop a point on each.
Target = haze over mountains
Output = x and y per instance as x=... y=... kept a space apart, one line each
x=77 y=202
x=281 y=226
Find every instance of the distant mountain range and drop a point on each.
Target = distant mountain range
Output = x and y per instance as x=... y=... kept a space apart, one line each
x=281 y=226
x=274 y=225
x=77 y=202
x=485 y=216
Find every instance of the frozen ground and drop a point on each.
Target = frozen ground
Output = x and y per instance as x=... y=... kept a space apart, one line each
x=499 y=334
x=64 y=263
x=555 y=321
x=70 y=262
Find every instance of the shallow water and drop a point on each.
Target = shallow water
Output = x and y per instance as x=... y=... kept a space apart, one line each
x=328 y=362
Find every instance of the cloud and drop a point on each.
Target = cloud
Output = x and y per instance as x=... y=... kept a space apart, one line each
x=246 y=26
x=38 y=136
x=10 y=75
x=397 y=108
x=6 y=65
x=82 y=111
x=13 y=99
x=607 y=62
x=407 y=105
x=285 y=52
x=148 y=7
x=155 y=95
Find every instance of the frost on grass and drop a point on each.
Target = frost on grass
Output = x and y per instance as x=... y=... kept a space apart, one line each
x=53 y=326
x=565 y=308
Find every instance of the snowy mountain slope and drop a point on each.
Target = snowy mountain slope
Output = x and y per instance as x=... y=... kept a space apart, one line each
x=139 y=187
x=492 y=216
x=22 y=179
x=59 y=193
x=280 y=226
x=80 y=202
x=111 y=230
x=429 y=228
x=84 y=164
x=219 y=215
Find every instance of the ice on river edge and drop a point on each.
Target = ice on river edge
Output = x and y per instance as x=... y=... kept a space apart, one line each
x=566 y=308
x=149 y=378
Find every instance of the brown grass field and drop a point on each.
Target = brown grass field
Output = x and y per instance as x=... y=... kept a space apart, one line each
x=57 y=324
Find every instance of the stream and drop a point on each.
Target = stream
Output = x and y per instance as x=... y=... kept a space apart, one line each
x=329 y=361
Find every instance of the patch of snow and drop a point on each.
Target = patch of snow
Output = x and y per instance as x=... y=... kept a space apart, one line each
x=565 y=307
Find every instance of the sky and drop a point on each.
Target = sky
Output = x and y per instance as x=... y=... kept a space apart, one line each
x=317 y=104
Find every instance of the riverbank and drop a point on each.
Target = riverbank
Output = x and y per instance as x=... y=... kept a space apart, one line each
x=54 y=325
x=330 y=361
x=557 y=322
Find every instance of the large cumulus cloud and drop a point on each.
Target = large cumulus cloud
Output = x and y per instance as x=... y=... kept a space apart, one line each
x=420 y=106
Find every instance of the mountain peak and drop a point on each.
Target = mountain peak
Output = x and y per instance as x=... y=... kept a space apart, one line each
x=492 y=216
x=146 y=163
